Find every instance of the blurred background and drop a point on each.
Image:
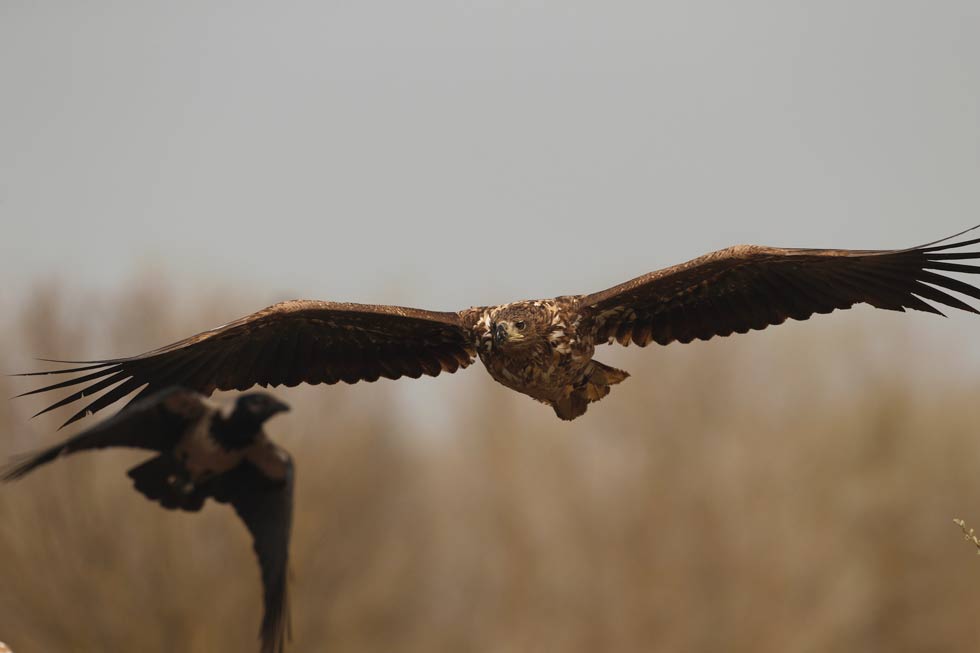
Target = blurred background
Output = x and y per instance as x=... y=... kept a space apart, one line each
x=167 y=167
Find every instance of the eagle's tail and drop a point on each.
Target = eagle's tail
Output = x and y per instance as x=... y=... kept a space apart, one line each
x=597 y=379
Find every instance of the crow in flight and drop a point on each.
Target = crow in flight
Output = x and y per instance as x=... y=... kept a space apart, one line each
x=205 y=450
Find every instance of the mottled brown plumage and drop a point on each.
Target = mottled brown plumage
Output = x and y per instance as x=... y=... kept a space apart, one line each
x=542 y=348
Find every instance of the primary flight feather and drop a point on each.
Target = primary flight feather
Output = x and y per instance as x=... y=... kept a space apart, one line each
x=541 y=348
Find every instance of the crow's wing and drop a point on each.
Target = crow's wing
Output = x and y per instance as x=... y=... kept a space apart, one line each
x=154 y=423
x=261 y=491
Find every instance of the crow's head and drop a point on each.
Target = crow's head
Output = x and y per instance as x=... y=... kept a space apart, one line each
x=258 y=407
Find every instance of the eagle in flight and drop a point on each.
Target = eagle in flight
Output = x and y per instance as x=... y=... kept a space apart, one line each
x=542 y=348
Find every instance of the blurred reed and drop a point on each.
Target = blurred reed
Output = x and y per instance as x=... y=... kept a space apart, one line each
x=786 y=491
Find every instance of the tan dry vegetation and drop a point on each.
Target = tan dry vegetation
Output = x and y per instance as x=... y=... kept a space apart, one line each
x=786 y=491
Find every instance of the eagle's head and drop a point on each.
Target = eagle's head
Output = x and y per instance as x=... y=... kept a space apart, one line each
x=520 y=325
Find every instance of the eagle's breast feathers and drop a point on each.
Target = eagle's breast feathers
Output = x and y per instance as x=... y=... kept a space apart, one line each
x=539 y=348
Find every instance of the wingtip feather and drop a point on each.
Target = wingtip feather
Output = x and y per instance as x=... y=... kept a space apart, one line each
x=928 y=246
x=88 y=365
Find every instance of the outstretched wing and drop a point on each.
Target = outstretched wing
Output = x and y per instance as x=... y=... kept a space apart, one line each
x=289 y=343
x=153 y=423
x=751 y=287
x=265 y=504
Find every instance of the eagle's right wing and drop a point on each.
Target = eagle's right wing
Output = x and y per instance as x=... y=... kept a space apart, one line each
x=286 y=344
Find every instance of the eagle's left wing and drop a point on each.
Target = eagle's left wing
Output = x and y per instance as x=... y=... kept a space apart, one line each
x=749 y=287
x=292 y=342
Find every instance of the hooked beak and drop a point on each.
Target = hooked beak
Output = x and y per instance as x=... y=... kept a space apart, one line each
x=500 y=333
x=505 y=332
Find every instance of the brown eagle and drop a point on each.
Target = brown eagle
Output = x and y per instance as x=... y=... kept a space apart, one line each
x=205 y=451
x=541 y=348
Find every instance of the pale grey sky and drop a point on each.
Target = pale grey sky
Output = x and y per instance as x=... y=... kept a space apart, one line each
x=442 y=154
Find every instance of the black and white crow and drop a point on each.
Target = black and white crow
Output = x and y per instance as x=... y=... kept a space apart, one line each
x=206 y=450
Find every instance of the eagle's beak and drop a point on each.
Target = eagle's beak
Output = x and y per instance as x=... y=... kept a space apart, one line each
x=505 y=332
x=500 y=333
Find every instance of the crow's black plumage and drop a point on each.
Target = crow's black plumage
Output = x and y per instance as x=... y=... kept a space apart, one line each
x=205 y=451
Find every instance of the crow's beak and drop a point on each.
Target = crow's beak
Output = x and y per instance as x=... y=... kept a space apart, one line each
x=280 y=407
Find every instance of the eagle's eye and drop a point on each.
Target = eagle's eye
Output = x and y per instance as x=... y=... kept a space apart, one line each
x=520 y=325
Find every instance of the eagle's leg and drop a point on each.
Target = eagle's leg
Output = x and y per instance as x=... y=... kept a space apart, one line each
x=593 y=386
